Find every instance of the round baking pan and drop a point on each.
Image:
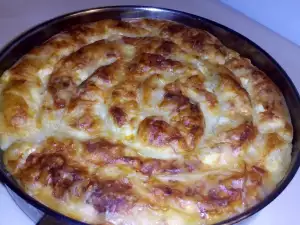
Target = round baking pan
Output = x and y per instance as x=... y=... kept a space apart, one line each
x=39 y=34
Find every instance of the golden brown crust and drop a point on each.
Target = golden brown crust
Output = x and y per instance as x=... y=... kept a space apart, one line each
x=270 y=111
x=143 y=120
x=64 y=80
x=155 y=132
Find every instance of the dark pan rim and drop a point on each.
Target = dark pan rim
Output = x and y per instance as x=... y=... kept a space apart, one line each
x=235 y=219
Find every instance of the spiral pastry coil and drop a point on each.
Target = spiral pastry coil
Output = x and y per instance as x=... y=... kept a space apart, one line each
x=143 y=122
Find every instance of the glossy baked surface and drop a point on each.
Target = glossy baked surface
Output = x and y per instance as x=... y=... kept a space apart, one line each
x=143 y=122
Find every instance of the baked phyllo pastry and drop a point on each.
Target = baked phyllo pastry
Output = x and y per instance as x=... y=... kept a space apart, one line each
x=143 y=122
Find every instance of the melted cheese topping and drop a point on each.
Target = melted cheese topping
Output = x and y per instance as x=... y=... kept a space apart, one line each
x=143 y=122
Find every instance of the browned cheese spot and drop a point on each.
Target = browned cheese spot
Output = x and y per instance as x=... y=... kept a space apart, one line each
x=119 y=116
